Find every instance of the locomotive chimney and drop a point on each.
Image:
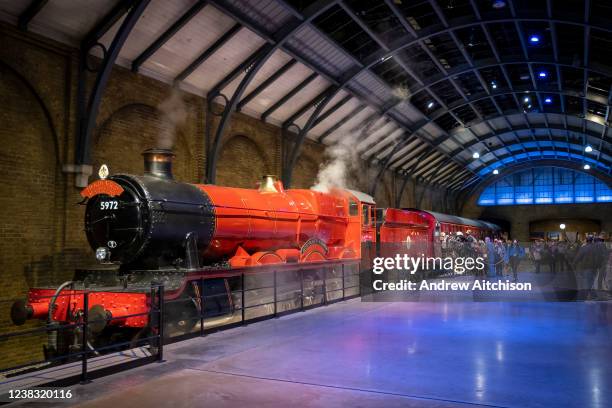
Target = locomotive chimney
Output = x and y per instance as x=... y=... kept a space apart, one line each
x=158 y=163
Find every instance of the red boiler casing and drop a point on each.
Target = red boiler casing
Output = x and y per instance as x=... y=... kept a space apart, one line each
x=261 y=227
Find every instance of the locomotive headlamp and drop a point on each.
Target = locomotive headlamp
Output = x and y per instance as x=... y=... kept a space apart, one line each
x=102 y=254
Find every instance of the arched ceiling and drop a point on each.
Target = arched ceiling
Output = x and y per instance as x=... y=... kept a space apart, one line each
x=422 y=85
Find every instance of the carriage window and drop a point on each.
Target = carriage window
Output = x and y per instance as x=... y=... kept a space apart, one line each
x=353 y=208
x=366 y=214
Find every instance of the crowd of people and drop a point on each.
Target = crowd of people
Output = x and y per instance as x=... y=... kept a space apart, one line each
x=588 y=260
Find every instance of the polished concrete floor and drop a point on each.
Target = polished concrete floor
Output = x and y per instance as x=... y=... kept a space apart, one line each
x=403 y=354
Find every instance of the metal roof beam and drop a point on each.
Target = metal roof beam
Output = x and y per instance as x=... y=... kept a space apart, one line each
x=444 y=138
x=266 y=83
x=331 y=110
x=429 y=167
x=419 y=151
x=252 y=66
x=95 y=34
x=341 y=122
x=453 y=180
x=511 y=154
x=362 y=68
x=309 y=105
x=220 y=42
x=168 y=34
x=87 y=108
x=289 y=95
x=444 y=171
x=384 y=142
x=512 y=129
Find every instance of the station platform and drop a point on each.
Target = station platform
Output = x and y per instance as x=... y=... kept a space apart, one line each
x=401 y=354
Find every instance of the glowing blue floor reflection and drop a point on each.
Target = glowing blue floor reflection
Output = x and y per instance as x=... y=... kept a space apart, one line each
x=505 y=354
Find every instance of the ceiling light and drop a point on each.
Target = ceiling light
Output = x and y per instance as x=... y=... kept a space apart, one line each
x=586 y=167
x=588 y=149
x=498 y=4
x=526 y=100
x=495 y=171
x=475 y=155
x=430 y=105
x=493 y=84
x=534 y=39
x=548 y=100
x=542 y=74
x=562 y=226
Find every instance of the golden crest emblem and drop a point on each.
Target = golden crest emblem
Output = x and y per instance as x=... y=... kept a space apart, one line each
x=103 y=172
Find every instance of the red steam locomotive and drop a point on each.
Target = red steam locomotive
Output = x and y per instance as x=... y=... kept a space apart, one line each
x=152 y=228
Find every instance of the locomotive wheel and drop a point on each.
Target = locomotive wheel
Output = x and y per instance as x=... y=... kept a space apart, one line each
x=180 y=317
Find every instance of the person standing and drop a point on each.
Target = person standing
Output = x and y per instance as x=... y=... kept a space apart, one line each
x=515 y=253
x=562 y=256
x=586 y=263
x=603 y=253
x=550 y=255
x=536 y=254
x=500 y=255
x=490 y=255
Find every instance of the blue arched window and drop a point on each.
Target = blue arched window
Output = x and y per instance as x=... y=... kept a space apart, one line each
x=546 y=185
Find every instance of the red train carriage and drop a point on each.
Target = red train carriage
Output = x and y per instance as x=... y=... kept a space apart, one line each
x=417 y=232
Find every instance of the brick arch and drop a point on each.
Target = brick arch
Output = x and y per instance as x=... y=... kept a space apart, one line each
x=120 y=139
x=11 y=74
x=31 y=182
x=305 y=172
x=242 y=163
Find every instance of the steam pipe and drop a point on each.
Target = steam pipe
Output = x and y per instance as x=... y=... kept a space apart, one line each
x=54 y=298
x=52 y=334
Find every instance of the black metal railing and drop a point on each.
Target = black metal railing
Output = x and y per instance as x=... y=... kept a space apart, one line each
x=249 y=298
x=255 y=297
x=82 y=326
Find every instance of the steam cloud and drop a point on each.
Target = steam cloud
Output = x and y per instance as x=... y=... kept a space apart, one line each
x=341 y=168
x=174 y=115
x=335 y=172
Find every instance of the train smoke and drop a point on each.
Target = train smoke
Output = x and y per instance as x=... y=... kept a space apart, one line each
x=334 y=173
x=173 y=114
x=341 y=168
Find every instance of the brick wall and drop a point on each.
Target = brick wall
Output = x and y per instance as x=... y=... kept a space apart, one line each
x=41 y=230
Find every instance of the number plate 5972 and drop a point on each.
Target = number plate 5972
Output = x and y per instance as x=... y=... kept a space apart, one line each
x=109 y=205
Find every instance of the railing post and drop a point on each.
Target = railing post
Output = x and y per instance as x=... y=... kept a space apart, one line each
x=325 y=286
x=84 y=329
x=275 y=308
x=301 y=289
x=202 y=311
x=242 y=297
x=160 y=311
x=343 y=291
